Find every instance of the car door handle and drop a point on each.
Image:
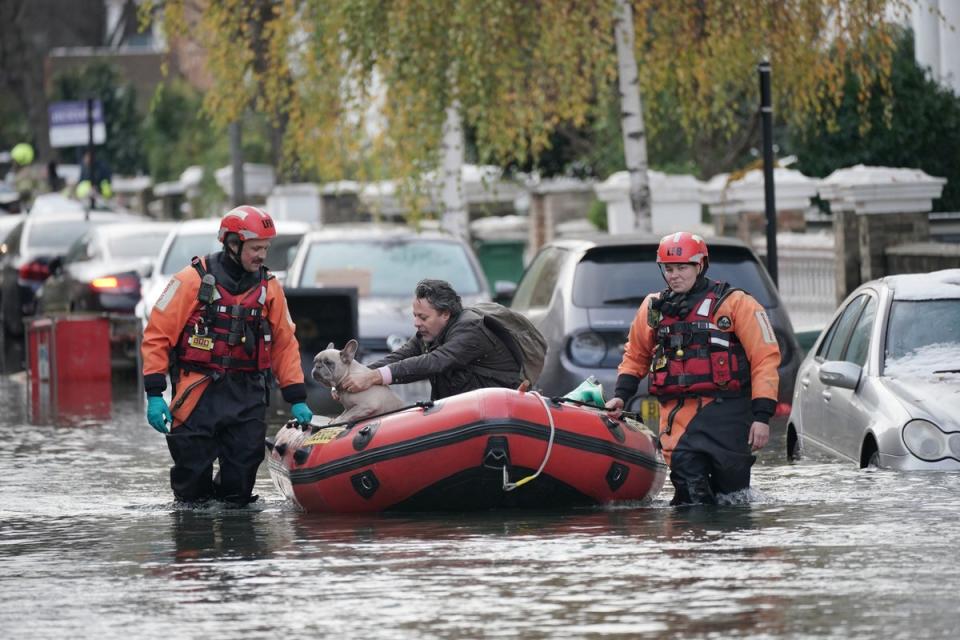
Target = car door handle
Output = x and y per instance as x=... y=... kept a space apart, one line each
x=805 y=381
x=826 y=395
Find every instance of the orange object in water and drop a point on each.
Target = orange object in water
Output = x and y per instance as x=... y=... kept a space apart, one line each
x=473 y=451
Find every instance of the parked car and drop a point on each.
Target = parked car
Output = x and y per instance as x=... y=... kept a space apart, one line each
x=199 y=238
x=583 y=294
x=7 y=222
x=28 y=251
x=384 y=263
x=882 y=384
x=101 y=271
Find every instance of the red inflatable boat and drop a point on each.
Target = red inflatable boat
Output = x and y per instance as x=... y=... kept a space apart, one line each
x=485 y=449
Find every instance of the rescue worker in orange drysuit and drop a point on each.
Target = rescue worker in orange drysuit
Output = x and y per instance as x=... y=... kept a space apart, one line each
x=219 y=327
x=711 y=356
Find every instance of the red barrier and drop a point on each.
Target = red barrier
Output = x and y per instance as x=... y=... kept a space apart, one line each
x=68 y=361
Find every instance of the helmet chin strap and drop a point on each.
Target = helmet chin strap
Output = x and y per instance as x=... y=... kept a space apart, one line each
x=228 y=248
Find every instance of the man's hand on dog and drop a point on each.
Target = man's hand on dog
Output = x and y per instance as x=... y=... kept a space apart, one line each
x=360 y=381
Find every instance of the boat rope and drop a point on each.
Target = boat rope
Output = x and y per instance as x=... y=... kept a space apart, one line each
x=510 y=486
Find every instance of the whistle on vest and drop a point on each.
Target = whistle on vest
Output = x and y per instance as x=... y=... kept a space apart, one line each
x=208 y=289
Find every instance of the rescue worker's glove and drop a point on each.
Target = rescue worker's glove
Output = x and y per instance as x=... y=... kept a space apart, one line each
x=158 y=414
x=301 y=412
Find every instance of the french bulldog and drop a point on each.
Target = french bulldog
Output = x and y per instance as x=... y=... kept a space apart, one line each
x=332 y=365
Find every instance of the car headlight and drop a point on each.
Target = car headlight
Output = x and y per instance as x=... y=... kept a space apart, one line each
x=928 y=442
x=587 y=349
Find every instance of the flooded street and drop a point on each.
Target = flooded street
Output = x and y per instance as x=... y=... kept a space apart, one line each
x=91 y=546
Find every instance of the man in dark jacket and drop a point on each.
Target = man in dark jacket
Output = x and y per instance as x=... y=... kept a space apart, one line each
x=453 y=348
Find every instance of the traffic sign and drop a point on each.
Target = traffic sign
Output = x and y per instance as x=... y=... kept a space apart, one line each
x=69 y=124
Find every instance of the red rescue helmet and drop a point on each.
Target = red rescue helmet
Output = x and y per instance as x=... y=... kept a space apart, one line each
x=683 y=247
x=250 y=223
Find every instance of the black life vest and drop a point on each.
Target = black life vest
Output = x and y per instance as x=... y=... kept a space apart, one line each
x=693 y=355
x=229 y=333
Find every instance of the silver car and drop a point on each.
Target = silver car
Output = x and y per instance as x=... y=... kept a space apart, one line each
x=584 y=293
x=881 y=385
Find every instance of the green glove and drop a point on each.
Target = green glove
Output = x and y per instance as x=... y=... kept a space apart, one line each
x=589 y=391
x=302 y=413
x=158 y=414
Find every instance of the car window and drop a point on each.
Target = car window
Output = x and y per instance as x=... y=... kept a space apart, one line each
x=184 y=247
x=388 y=268
x=860 y=339
x=280 y=255
x=538 y=282
x=78 y=251
x=12 y=241
x=833 y=344
x=625 y=275
x=55 y=235
x=144 y=244
x=915 y=325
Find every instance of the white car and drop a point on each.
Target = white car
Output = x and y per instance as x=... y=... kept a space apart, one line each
x=199 y=238
x=881 y=385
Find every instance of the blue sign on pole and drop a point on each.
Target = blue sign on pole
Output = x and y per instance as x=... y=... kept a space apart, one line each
x=69 y=124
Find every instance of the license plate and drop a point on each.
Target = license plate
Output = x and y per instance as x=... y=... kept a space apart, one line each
x=650 y=412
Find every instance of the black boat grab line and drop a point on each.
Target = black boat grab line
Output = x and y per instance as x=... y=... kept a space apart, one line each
x=466 y=432
x=293 y=423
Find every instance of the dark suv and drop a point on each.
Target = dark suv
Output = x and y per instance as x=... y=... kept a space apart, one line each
x=583 y=295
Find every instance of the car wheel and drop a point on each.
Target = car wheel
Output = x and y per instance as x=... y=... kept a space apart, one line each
x=793 y=444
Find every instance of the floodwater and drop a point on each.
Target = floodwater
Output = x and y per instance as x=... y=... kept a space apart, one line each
x=91 y=546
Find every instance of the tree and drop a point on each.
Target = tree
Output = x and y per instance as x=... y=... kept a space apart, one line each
x=519 y=70
x=921 y=129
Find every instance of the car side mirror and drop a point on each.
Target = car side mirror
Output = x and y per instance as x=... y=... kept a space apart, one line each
x=845 y=375
x=503 y=291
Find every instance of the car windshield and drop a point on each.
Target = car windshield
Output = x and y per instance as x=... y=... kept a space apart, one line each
x=145 y=243
x=923 y=336
x=624 y=276
x=388 y=268
x=185 y=246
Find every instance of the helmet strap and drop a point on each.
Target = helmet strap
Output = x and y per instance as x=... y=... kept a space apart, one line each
x=228 y=247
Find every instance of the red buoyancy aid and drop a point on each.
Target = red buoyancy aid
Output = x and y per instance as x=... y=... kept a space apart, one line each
x=696 y=356
x=229 y=333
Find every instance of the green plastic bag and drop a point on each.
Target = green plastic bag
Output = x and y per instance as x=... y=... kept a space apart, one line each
x=589 y=391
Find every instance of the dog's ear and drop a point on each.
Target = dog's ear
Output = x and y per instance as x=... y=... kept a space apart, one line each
x=349 y=351
x=330 y=346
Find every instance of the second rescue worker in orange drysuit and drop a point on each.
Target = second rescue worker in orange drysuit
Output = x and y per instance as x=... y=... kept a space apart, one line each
x=712 y=357
x=225 y=321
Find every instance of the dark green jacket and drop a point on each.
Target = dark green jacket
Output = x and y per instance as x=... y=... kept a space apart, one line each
x=465 y=356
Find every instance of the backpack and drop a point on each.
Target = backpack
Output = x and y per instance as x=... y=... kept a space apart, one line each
x=524 y=341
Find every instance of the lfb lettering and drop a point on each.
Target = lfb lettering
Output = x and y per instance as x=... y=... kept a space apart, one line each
x=675 y=251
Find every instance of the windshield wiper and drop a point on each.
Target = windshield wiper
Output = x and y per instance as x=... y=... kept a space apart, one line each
x=624 y=300
x=948 y=371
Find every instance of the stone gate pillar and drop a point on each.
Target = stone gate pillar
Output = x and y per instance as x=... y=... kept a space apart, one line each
x=875 y=208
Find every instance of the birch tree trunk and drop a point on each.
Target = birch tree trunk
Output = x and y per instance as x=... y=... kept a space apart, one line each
x=631 y=123
x=454 y=218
